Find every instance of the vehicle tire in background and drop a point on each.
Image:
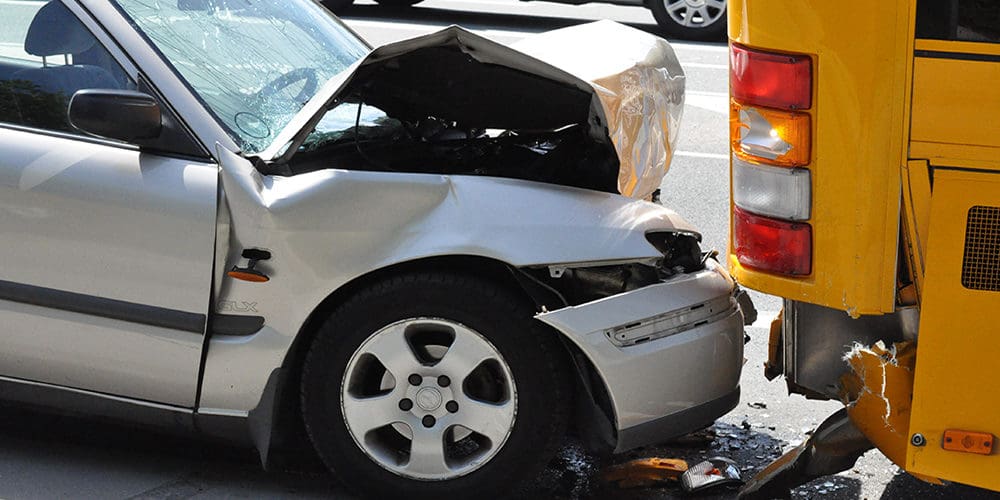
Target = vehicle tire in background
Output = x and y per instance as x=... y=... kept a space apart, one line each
x=397 y=4
x=703 y=20
x=337 y=6
x=435 y=385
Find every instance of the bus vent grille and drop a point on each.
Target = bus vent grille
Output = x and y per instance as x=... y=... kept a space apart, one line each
x=981 y=263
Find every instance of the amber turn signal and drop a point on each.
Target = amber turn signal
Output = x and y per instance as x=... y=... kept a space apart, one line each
x=967 y=441
x=769 y=136
x=248 y=275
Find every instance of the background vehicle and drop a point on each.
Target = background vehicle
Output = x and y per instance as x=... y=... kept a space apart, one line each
x=685 y=19
x=235 y=219
x=864 y=191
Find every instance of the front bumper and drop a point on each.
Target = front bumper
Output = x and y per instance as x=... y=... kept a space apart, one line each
x=669 y=354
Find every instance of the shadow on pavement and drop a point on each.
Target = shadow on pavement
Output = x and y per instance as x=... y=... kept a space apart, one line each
x=907 y=486
x=47 y=455
x=489 y=20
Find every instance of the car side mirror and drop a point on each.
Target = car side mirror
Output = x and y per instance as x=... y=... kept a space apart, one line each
x=125 y=115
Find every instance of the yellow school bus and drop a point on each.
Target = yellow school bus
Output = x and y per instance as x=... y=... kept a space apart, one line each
x=865 y=141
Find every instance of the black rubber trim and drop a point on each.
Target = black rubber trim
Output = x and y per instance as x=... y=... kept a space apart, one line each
x=965 y=169
x=934 y=54
x=100 y=306
x=238 y=325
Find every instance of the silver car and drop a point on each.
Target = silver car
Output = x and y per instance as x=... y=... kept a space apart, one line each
x=235 y=219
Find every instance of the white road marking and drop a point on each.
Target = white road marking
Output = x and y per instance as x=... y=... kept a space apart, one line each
x=697 y=154
x=427 y=27
x=764 y=319
x=712 y=101
x=701 y=47
x=704 y=65
x=707 y=93
x=503 y=36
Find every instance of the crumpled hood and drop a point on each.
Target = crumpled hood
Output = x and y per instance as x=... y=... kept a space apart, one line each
x=630 y=108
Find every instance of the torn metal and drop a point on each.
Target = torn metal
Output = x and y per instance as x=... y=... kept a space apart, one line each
x=453 y=102
x=876 y=393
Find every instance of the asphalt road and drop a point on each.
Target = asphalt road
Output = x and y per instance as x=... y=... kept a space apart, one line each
x=45 y=456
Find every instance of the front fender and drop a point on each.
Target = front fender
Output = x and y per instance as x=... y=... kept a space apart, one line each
x=329 y=227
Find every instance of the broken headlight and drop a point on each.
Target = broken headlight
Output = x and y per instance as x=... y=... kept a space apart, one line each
x=681 y=252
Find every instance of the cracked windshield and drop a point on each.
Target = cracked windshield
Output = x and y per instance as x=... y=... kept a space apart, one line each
x=254 y=64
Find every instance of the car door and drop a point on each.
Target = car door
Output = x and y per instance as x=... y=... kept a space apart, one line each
x=107 y=251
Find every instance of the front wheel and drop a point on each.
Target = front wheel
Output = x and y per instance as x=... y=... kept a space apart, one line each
x=434 y=386
x=703 y=20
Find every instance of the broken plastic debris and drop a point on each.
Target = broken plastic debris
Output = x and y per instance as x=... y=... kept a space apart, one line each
x=716 y=471
x=645 y=472
x=757 y=405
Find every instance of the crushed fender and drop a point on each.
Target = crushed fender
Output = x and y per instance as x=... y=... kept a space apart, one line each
x=877 y=394
x=644 y=472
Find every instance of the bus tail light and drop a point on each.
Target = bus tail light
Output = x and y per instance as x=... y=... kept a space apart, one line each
x=772 y=245
x=782 y=81
x=771 y=150
x=773 y=191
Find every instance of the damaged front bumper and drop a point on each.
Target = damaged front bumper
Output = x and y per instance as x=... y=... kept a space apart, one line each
x=669 y=354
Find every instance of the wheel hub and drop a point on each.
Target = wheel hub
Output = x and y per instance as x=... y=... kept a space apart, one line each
x=407 y=380
x=429 y=399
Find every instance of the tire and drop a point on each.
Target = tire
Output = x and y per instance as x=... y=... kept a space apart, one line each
x=337 y=6
x=707 y=18
x=342 y=385
x=397 y=4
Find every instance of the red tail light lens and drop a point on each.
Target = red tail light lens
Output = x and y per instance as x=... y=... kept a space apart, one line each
x=772 y=245
x=766 y=79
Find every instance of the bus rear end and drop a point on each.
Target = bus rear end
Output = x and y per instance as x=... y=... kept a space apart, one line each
x=865 y=193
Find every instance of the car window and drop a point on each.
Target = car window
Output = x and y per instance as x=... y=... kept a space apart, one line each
x=253 y=63
x=46 y=55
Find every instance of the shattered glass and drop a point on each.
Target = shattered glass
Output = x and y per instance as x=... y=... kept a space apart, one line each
x=253 y=63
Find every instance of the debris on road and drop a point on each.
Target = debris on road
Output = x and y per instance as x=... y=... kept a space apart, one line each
x=714 y=472
x=644 y=472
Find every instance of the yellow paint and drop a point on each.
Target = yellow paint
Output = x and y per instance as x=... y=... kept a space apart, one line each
x=959 y=344
x=956 y=102
x=991 y=49
x=877 y=395
x=860 y=70
x=916 y=216
x=956 y=155
x=645 y=472
x=903 y=147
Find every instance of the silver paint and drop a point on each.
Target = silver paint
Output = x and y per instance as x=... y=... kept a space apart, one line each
x=90 y=217
x=666 y=375
x=108 y=221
